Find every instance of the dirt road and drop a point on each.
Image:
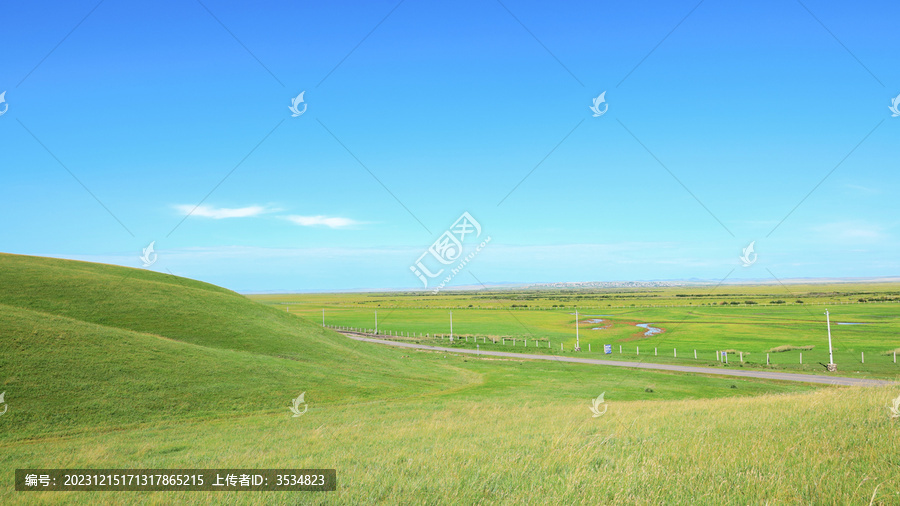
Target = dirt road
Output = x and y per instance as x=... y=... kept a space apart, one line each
x=771 y=375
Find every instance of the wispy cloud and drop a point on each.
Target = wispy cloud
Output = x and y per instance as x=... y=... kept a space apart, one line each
x=852 y=231
x=328 y=221
x=218 y=213
x=864 y=189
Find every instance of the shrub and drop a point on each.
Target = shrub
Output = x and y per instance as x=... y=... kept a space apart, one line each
x=787 y=347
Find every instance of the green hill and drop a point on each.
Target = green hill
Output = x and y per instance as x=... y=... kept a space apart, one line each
x=85 y=346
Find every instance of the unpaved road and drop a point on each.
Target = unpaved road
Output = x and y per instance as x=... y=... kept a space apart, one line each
x=770 y=375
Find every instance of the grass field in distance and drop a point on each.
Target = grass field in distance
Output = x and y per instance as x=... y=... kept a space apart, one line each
x=754 y=321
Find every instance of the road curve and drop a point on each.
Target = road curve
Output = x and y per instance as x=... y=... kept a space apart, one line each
x=784 y=376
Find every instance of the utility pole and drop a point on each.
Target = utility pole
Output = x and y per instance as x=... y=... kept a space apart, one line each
x=831 y=365
x=451 y=326
x=376 y=322
x=577 y=342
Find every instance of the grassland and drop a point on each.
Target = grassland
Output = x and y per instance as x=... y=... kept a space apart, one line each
x=120 y=368
x=864 y=347
x=690 y=295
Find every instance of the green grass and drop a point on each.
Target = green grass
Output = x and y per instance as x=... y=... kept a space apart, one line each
x=753 y=329
x=111 y=367
x=89 y=345
x=836 y=446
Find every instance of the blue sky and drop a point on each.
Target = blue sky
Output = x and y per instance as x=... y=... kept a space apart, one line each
x=727 y=124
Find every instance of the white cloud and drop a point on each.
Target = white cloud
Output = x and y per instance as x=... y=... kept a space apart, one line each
x=218 y=213
x=312 y=221
x=864 y=189
x=852 y=231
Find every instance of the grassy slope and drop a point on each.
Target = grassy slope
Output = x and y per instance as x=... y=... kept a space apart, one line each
x=834 y=446
x=135 y=346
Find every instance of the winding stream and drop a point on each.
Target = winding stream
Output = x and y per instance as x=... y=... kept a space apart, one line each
x=650 y=331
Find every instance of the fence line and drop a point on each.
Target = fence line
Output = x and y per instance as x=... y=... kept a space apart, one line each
x=721 y=356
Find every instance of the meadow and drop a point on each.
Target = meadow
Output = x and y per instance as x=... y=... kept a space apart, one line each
x=109 y=367
x=766 y=332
